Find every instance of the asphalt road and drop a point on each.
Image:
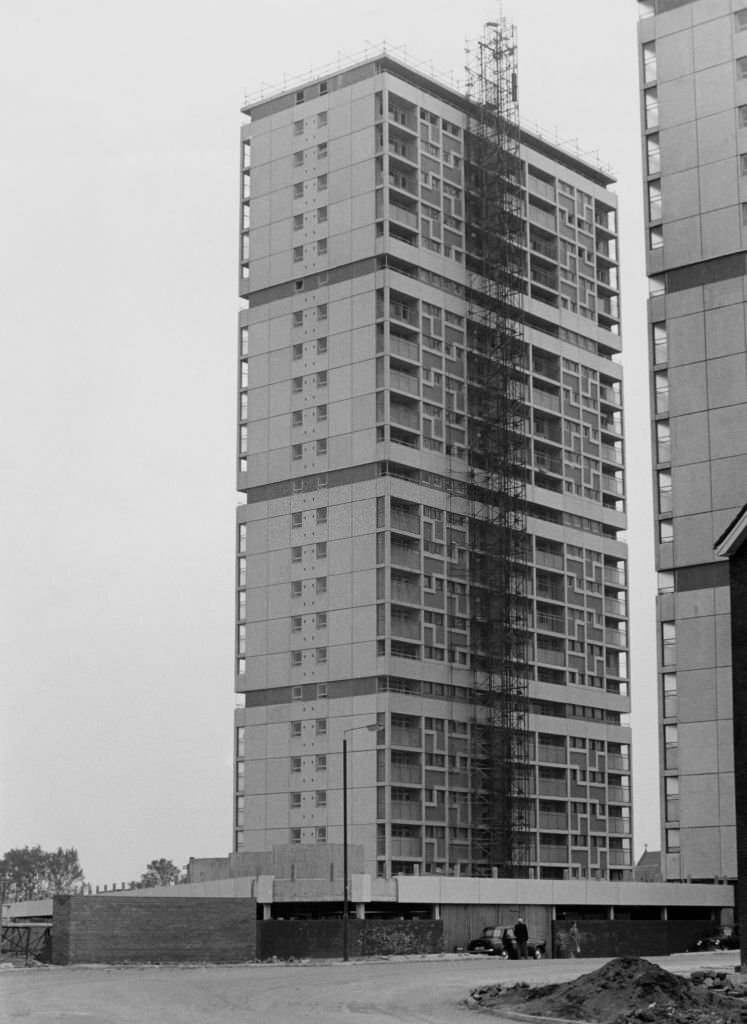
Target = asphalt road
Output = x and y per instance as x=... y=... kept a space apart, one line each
x=415 y=990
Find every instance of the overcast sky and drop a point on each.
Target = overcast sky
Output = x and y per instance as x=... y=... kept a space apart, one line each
x=119 y=154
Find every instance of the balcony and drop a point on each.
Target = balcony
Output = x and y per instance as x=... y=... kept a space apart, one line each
x=406 y=773
x=612 y=454
x=403 y=216
x=405 y=846
x=407 y=591
x=553 y=854
x=619 y=826
x=402 y=415
x=553 y=623
x=618 y=794
x=552 y=787
x=405 y=555
x=616 y=637
x=406 y=810
x=404 y=347
x=548 y=820
x=407 y=521
x=551 y=754
x=404 y=626
x=406 y=382
x=614 y=576
x=549 y=560
x=613 y=484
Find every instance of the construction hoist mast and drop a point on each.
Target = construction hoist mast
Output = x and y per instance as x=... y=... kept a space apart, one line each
x=499 y=455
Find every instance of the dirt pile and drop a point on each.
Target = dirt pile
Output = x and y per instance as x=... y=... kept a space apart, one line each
x=626 y=991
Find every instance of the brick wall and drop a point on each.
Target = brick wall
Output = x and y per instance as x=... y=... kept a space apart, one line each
x=103 y=929
x=630 y=938
x=323 y=938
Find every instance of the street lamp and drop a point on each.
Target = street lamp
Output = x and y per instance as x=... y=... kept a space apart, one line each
x=372 y=727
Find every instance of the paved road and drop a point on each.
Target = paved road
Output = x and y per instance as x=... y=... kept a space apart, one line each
x=409 y=991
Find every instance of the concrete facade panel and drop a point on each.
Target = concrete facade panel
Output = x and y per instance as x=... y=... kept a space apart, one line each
x=691 y=488
x=682 y=196
x=688 y=390
x=690 y=440
x=720 y=232
x=698 y=748
x=719 y=185
x=715 y=137
x=727 y=381
x=714 y=89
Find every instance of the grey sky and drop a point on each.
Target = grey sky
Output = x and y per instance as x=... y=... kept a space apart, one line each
x=118 y=219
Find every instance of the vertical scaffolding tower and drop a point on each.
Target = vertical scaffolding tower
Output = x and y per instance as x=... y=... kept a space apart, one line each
x=499 y=454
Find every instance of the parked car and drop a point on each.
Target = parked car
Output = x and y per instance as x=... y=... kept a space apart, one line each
x=498 y=941
x=725 y=937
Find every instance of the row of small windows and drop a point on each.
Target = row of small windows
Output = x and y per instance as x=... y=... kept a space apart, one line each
x=320 y=150
x=321 y=417
x=320 y=728
x=319 y=797
x=320 y=447
x=320 y=312
x=319 y=834
x=321 y=121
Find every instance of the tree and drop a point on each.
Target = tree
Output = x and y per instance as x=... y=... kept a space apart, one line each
x=30 y=873
x=160 y=872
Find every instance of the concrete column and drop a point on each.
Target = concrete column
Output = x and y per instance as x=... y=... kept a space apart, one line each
x=436 y=911
x=360 y=911
x=267 y=911
x=611 y=915
x=665 y=913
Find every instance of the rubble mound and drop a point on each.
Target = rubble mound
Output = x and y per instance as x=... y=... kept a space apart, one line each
x=627 y=990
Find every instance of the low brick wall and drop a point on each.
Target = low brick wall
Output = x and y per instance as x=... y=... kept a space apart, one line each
x=630 y=938
x=103 y=929
x=323 y=938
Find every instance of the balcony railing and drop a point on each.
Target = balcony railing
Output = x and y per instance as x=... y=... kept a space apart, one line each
x=406 y=810
x=553 y=854
x=407 y=521
x=552 y=755
x=404 y=382
x=402 y=846
x=406 y=556
x=406 y=773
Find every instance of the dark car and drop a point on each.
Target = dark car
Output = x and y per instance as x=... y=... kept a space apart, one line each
x=725 y=937
x=498 y=941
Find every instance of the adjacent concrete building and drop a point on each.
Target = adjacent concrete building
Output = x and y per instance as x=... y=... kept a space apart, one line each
x=693 y=57
x=357 y=599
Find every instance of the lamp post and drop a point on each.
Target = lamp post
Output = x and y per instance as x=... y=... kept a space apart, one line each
x=372 y=727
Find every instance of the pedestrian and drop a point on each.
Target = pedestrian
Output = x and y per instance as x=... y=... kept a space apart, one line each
x=574 y=936
x=522 y=938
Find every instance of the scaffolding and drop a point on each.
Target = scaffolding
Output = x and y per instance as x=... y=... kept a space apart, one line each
x=499 y=456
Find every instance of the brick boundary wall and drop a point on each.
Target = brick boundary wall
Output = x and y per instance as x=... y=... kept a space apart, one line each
x=323 y=938
x=630 y=938
x=152 y=929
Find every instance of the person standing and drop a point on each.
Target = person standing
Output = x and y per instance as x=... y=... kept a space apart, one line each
x=522 y=938
x=574 y=938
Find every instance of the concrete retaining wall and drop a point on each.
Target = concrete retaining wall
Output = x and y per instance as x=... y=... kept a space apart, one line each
x=99 y=929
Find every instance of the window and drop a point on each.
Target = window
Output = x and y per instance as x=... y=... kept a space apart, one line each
x=321 y=584
x=321 y=657
x=321 y=622
x=296 y=553
x=321 y=833
x=321 y=514
x=740 y=20
x=668 y=643
x=741 y=67
x=295 y=799
x=298 y=383
x=656 y=285
x=296 y=622
x=244 y=341
x=298 y=158
x=321 y=215
x=654 y=200
x=744 y=214
x=742 y=169
x=321 y=247
x=321 y=798
x=297 y=417
x=672 y=797
x=295 y=728
x=663 y=441
x=673 y=840
x=295 y=764
x=296 y=587
x=321 y=413
x=297 y=451
x=321 y=549
x=297 y=253
x=666 y=531
x=298 y=190
x=649 y=63
x=321 y=311
x=321 y=150
x=321 y=762
x=295 y=835
x=296 y=693
x=322 y=88
x=299 y=96
x=298 y=127
x=655 y=238
x=297 y=221
x=321 y=346
x=321 y=446
x=296 y=657
x=321 y=726
x=661 y=393
x=298 y=319
x=669 y=686
x=296 y=520
x=743 y=116
x=664 y=486
x=651 y=102
x=321 y=379
x=661 y=347
x=321 y=119
x=321 y=691
x=321 y=182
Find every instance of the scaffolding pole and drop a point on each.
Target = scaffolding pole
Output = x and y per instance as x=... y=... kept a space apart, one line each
x=497 y=376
